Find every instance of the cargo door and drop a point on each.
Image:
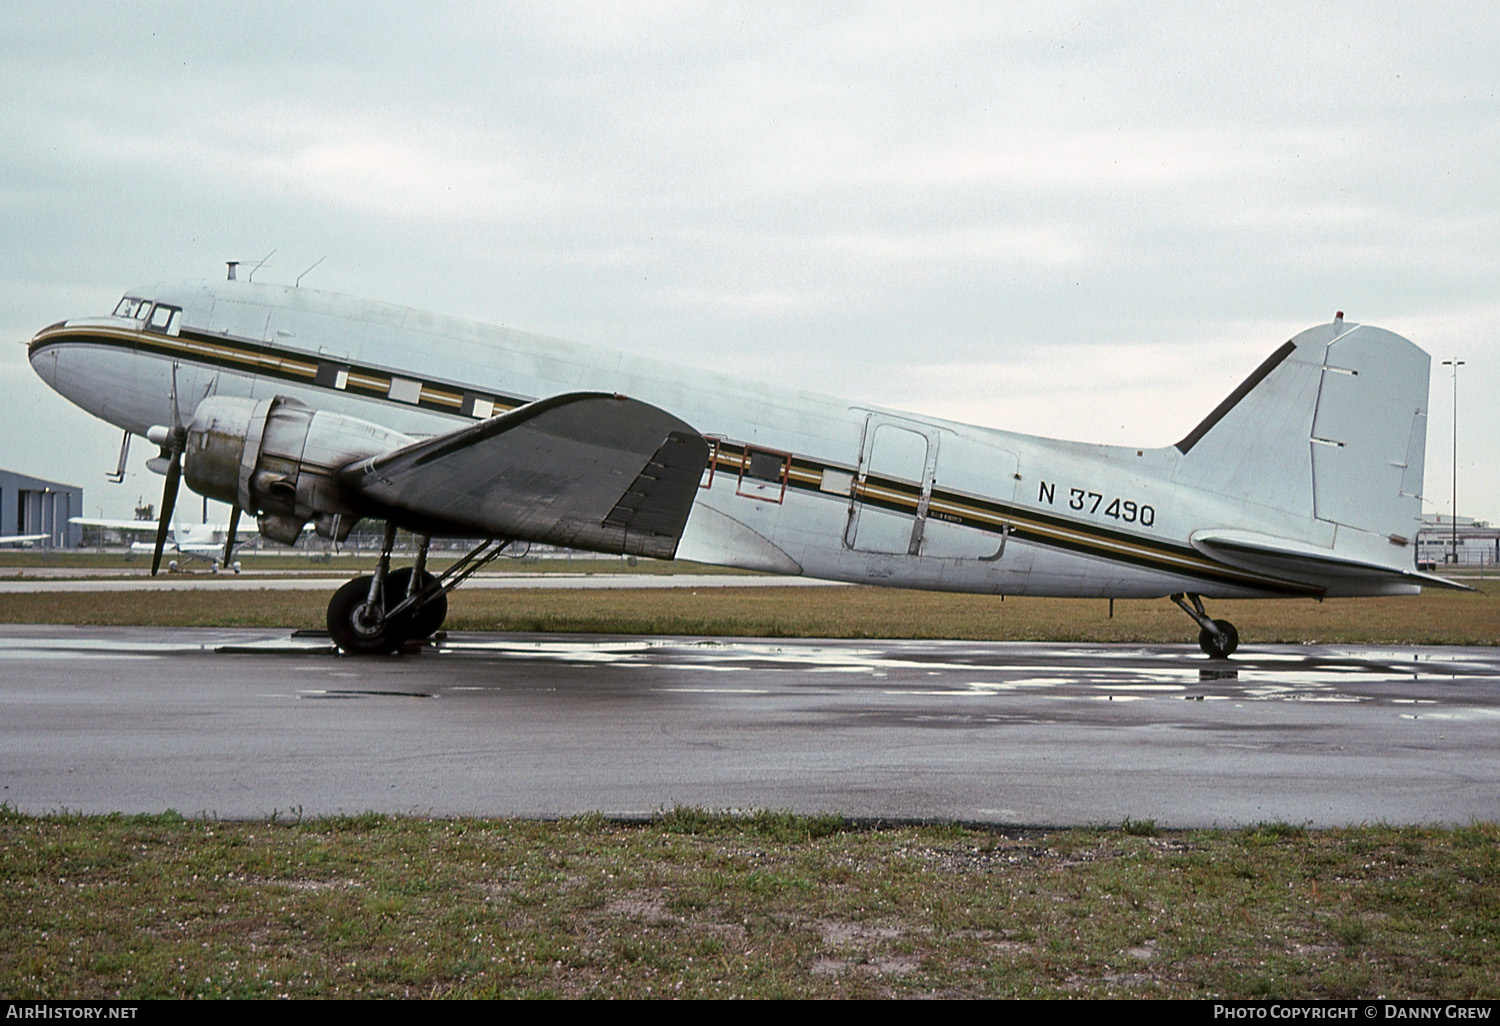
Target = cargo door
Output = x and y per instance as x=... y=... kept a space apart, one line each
x=888 y=508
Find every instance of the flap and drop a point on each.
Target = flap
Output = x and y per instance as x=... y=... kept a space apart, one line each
x=588 y=470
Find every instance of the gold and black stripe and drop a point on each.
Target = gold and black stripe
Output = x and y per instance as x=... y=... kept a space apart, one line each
x=1024 y=523
x=293 y=366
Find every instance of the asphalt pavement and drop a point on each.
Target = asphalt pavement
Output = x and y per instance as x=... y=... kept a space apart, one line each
x=244 y=723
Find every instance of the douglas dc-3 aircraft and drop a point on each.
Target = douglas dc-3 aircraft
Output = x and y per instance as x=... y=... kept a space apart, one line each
x=297 y=406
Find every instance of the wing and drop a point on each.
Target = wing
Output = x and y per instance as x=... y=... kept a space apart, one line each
x=144 y=526
x=586 y=469
x=149 y=527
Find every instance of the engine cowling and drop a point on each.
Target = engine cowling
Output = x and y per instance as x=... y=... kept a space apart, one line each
x=276 y=458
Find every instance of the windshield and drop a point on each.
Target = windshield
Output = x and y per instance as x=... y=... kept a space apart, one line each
x=132 y=307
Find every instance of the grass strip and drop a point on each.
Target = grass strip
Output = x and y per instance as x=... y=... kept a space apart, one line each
x=1432 y=618
x=769 y=905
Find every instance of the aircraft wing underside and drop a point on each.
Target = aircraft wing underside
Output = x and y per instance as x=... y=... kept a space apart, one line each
x=587 y=469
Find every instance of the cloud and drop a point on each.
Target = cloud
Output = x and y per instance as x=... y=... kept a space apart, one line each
x=1077 y=218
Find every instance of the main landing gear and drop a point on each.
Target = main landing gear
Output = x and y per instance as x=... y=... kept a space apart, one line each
x=1217 y=638
x=376 y=615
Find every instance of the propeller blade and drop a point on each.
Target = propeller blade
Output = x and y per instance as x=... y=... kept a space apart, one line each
x=234 y=525
x=169 y=494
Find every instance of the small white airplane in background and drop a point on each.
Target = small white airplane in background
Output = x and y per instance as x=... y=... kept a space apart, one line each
x=196 y=541
x=297 y=406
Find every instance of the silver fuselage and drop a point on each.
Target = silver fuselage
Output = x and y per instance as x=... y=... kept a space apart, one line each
x=798 y=483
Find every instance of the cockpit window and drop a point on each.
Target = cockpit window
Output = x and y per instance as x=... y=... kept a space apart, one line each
x=164 y=319
x=132 y=307
x=158 y=317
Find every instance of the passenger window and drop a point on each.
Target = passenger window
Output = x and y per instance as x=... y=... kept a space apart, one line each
x=767 y=466
x=763 y=474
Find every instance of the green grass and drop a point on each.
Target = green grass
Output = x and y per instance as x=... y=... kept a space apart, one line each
x=1433 y=618
x=695 y=904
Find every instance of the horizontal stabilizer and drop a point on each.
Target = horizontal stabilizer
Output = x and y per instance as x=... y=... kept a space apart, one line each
x=1267 y=554
x=587 y=470
x=1316 y=462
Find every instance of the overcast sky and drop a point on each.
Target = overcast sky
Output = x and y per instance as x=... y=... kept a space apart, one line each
x=1083 y=220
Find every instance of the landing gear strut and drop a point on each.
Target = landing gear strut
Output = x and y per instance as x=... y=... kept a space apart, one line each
x=425 y=618
x=1217 y=638
x=378 y=614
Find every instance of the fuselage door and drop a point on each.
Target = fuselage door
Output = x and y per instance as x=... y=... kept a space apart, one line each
x=888 y=510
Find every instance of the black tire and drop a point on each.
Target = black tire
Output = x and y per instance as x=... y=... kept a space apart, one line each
x=356 y=629
x=1222 y=645
x=425 y=621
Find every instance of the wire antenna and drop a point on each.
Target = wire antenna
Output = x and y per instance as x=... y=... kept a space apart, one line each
x=251 y=275
x=305 y=273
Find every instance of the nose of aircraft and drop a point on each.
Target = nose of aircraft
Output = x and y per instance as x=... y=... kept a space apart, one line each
x=43 y=360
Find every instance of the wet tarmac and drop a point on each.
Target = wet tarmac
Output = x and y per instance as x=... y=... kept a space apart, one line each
x=241 y=723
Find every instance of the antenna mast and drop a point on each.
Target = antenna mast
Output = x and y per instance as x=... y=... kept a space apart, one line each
x=251 y=275
x=305 y=273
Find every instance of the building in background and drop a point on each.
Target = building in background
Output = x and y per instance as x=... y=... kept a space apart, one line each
x=29 y=505
x=1463 y=541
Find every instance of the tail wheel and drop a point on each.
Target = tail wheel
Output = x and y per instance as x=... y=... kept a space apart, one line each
x=358 y=627
x=425 y=620
x=1220 y=644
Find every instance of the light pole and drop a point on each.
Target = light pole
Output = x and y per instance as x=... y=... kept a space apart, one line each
x=1455 y=363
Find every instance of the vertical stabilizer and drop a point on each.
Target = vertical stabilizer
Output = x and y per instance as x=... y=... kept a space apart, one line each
x=1323 y=444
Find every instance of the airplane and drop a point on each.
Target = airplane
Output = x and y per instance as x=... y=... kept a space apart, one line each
x=298 y=406
x=24 y=540
x=196 y=541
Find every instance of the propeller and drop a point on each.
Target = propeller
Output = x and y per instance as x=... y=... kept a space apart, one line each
x=173 y=441
x=234 y=525
x=172 y=448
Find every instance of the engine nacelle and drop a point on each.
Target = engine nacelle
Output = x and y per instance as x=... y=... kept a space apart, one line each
x=276 y=458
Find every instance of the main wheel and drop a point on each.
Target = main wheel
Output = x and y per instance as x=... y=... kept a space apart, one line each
x=358 y=627
x=428 y=619
x=1221 y=645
